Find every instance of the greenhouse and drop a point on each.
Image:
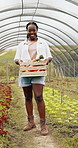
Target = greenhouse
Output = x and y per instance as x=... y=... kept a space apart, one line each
x=58 y=25
x=57 y=22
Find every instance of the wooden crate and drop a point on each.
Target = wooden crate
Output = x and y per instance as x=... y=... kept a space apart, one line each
x=30 y=69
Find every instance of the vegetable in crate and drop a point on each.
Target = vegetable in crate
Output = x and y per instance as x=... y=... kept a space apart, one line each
x=40 y=57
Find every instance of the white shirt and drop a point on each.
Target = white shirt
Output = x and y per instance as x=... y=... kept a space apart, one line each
x=42 y=49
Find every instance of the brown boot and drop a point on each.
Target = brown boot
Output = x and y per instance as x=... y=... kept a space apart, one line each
x=44 y=128
x=30 y=124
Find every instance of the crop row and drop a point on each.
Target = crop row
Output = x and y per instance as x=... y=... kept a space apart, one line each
x=61 y=112
x=5 y=100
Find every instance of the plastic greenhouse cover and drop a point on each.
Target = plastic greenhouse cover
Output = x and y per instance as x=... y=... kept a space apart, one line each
x=57 y=21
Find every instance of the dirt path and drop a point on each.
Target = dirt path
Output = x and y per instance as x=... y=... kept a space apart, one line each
x=42 y=141
x=28 y=139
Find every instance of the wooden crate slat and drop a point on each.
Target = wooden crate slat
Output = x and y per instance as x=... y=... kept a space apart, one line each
x=33 y=68
x=33 y=63
x=29 y=74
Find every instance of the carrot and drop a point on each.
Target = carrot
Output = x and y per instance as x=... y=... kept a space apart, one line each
x=34 y=60
x=42 y=70
x=33 y=70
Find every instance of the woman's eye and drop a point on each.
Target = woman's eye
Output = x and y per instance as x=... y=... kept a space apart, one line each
x=31 y=30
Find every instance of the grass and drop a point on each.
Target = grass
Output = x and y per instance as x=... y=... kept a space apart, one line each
x=8 y=68
x=9 y=56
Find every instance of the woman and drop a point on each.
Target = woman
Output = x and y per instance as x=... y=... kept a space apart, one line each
x=28 y=50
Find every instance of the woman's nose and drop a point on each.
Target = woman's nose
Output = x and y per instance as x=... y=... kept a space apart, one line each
x=32 y=31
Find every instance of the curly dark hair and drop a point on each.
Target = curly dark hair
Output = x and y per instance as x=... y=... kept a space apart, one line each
x=31 y=23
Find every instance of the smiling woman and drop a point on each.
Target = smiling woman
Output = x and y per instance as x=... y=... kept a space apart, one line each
x=31 y=49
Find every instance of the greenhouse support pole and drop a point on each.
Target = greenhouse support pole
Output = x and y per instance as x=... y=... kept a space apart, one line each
x=7 y=74
x=74 y=68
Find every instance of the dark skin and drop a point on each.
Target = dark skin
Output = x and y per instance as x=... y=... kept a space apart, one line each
x=36 y=89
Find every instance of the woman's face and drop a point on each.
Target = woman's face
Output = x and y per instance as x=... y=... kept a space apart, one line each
x=32 y=32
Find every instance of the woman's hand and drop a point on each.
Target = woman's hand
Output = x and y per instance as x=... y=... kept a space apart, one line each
x=48 y=60
x=18 y=62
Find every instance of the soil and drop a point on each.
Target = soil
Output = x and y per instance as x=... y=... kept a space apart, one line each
x=27 y=139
